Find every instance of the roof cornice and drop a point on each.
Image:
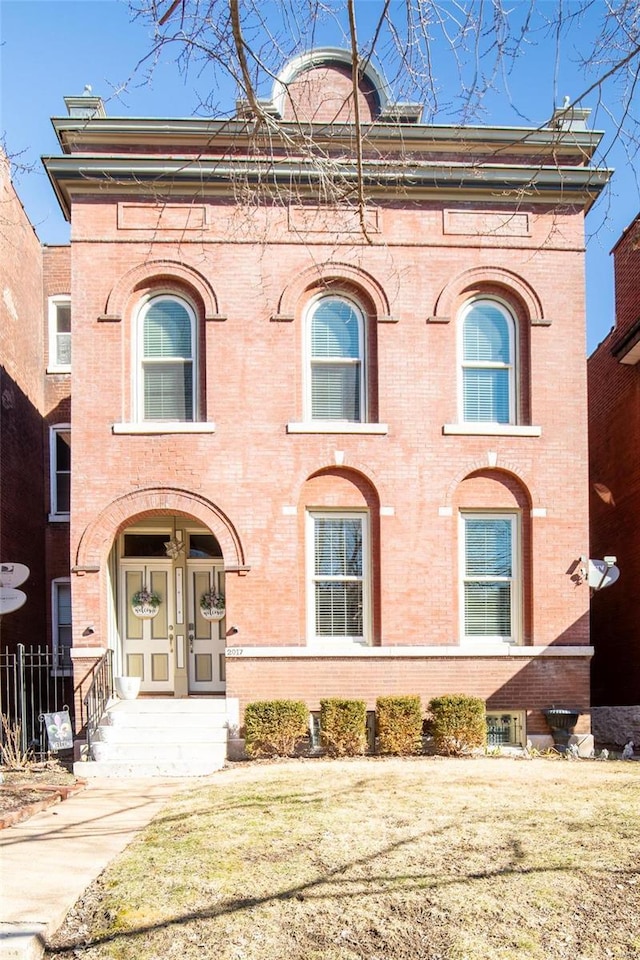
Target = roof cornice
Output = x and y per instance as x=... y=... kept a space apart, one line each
x=74 y=132
x=77 y=175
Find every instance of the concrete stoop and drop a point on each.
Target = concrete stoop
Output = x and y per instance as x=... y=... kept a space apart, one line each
x=159 y=737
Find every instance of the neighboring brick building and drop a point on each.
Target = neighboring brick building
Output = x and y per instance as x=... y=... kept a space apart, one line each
x=614 y=439
x=375 y=446
x=30 y=398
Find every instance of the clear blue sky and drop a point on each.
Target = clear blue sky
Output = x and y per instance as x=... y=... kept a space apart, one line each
x=52 y=48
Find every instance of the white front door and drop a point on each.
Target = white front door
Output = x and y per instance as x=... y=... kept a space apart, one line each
x=205 y=638
x=148 y=644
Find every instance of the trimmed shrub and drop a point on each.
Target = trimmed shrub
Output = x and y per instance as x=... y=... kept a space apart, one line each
x=399 y=723
x=459 y=724
x=274 y=728
x=343 y=727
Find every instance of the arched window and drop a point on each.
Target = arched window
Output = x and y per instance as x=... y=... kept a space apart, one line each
x=167 y=388
x=488 y=390
x=336 y=375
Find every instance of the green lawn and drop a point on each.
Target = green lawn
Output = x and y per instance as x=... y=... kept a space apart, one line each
x=477 y=859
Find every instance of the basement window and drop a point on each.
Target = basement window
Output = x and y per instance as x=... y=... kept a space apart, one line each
x=505 y=729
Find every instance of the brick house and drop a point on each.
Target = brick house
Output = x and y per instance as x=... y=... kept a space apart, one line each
x=347 y=419
x=614 y=440
x=34 y=421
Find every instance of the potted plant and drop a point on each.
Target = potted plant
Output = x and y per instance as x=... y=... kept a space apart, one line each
x=212 y=605
x=562 y=721
x=145 y=604
x=127 y=688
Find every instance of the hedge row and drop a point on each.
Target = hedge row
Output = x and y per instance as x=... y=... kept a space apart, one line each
x=278 y=727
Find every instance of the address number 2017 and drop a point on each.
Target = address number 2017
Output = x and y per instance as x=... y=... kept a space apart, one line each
x=234 y=651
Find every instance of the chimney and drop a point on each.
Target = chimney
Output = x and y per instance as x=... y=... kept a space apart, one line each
x=86 y=106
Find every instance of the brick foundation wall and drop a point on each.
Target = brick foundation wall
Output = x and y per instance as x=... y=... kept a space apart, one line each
x=505 y=683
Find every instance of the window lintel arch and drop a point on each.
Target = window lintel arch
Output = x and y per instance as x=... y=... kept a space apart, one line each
x=490 y=281
x=161 y=274
x=329 y=276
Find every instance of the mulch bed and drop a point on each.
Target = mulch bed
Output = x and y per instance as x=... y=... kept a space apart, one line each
x=26 y=792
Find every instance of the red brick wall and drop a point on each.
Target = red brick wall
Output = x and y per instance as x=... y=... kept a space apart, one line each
x=614 y=440
x=326 y=95
x=508 y=684
x=251 y=469
x=22 y=457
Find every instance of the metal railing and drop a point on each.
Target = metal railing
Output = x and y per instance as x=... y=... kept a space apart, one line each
x=98 y=695
x=32 y=683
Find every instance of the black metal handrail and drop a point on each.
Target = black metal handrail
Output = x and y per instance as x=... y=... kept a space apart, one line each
x=98 y=695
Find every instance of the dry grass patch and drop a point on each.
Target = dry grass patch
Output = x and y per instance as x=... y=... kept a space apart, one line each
x=422 y=859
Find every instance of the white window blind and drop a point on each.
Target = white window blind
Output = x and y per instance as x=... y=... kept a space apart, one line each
x=63 y=333
x=487 y=361
x=167 y=364
x=336 y=360
x=338 y=577
x=488 y=576
x=59 y=320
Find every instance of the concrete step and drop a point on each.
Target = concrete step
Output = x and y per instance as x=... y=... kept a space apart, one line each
x=192 y=706
x=151 y=733
x=159 y=736
x=135 y=751
x=164 y=721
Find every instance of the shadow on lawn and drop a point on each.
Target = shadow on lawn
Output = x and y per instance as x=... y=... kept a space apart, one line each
x=312 y=891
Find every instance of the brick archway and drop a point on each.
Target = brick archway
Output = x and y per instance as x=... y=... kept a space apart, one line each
x=153 y=270
x=510 y=282
x=332 y=273
x=504 y=468
x=99 y=535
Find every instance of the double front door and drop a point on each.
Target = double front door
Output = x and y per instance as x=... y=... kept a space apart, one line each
x=176 y=650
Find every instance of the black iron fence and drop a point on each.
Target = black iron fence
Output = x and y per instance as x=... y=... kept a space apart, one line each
x=32 y=683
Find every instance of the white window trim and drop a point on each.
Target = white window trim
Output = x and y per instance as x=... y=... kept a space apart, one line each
x=163 y=426
x=139 y=360
x=477 y=429
x=339 y=426
x=55 y=584
x=417 y=652
x=516 y=578
x=313 y=640
x=514 y=380
x=52 y=320
x=56 y=516
x=307 y=361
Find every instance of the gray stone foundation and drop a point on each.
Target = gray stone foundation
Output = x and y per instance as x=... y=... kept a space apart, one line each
x=616 y=725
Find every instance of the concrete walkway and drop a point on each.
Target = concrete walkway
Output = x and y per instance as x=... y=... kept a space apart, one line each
x=47 y=862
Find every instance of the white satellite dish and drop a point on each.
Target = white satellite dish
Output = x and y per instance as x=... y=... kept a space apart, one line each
x=601 y=574
x=11 y=600
x=13 y=574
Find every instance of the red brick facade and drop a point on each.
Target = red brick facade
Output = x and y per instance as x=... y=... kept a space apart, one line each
x=253 y=467
x=22 y=453
x=614 y=439
x=31 y=399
